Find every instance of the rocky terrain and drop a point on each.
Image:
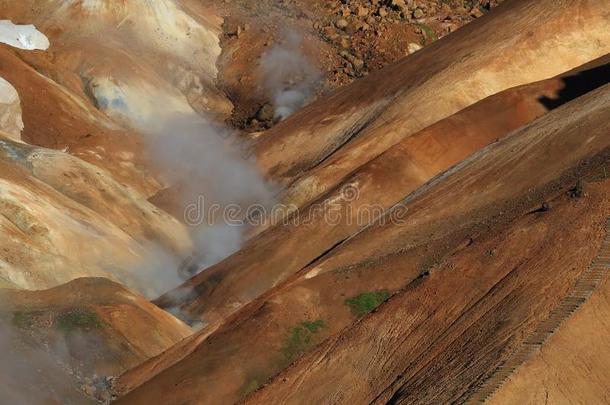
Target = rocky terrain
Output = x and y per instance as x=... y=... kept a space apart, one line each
x=343 y=40
x=304 y=201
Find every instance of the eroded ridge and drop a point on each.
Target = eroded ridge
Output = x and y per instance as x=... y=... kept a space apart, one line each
x=578 y=295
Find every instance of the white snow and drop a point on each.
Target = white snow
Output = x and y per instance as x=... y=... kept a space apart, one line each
x=22 y=36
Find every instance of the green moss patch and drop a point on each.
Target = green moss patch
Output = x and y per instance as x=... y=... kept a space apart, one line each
x=78 y=319
x=364 y=303
x=429 y=33
x=250 y=387
x=24 y=320
x=300 y=339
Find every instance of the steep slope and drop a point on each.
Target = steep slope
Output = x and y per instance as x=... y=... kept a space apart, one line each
x=516 y=43
x=309 y=133
x=89 y=327
x=61 y=216
x=64 y=218
x=429 y=344
x=457 y=194
x=319 y=301
x=167 y=49
x=284 y=249
x=10 y=110
x=54 y=117
x=572 y=366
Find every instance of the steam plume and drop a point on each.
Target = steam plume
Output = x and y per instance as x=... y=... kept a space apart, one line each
x=288 y=76
x=206 y=164
x=31 y=375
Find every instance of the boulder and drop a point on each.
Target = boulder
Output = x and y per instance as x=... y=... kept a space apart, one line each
x=341 y=23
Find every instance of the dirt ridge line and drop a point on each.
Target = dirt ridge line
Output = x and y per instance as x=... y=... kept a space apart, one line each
x=582 y=290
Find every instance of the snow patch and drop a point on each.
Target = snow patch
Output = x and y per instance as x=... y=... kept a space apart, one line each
x=22 y=36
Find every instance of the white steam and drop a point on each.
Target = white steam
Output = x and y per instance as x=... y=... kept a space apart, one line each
x=207 y=160
x=31 y=375
x=207 y=166
x=210 y=173
x=216 y=243
x=288 y=76
x=158 y=272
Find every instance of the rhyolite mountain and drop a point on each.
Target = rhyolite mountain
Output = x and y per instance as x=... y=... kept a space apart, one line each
x=463 y=148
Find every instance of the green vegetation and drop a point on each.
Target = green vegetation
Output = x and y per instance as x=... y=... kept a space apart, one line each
x=364 y=303
x=23 y=320
x=83 y=319
x=300 y=339
x=250 y=387
x=429 y=33
x=254 y=380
